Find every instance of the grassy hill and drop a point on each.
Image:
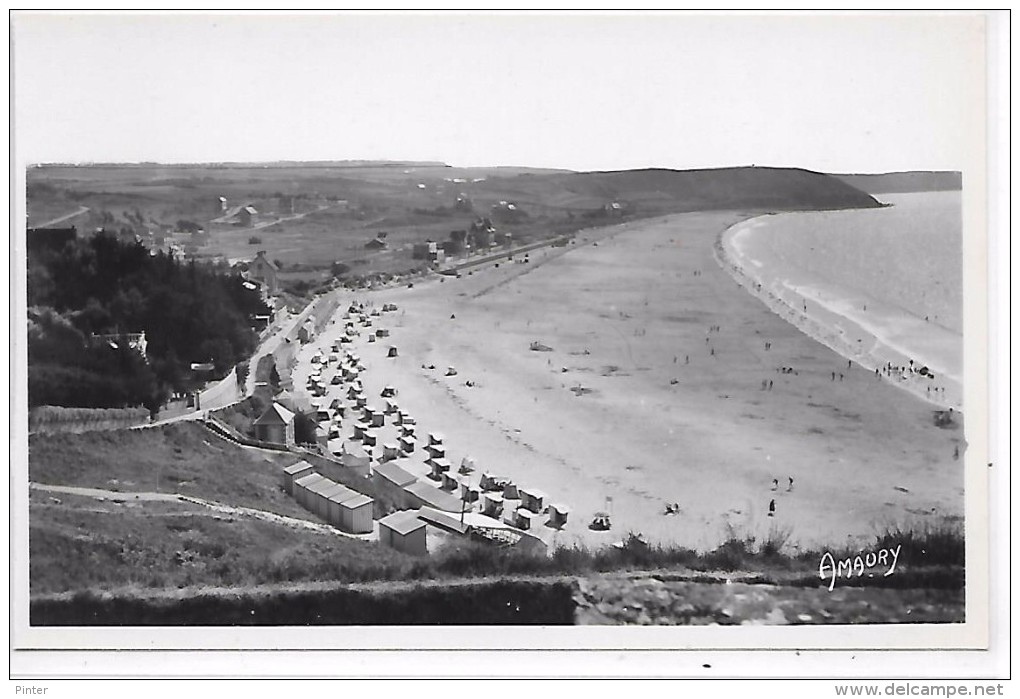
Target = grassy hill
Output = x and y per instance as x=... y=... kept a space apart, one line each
x=724 y=188
x=315 y=214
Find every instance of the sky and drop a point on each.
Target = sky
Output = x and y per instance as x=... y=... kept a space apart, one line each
x=835 y=93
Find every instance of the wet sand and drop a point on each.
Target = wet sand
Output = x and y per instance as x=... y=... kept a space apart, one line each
x=642 y=400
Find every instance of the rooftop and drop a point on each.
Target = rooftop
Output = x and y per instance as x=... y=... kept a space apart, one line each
x=434 y=497
x=395 y=474
x=402 y=522
x=275 y=414
x=297 y=468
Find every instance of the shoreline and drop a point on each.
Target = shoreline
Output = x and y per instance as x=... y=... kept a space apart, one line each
x=871 y=355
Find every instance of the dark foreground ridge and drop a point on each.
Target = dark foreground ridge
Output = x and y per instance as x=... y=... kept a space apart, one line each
x=634 y=598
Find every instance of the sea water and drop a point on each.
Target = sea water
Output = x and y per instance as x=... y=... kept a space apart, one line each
x=880 y=285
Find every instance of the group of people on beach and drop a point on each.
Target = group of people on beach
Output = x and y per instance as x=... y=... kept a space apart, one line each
x=775 y=487
x=911 y=371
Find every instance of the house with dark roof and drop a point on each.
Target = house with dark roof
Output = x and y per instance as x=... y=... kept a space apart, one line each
x=248 y=216
x=264 y=271
x=276 y=425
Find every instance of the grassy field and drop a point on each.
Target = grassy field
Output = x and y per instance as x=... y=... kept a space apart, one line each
x=182 y=458
x=410 y=202
x=79 y=543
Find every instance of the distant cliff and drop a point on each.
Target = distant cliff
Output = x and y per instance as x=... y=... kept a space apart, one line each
x=723 y=188
x=902 y=182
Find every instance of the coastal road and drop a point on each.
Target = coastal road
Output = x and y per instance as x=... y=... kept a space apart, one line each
x=225 y=392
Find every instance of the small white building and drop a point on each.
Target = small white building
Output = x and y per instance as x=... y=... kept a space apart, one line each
x=293 y=472
x=533 y=499
x=404 y=532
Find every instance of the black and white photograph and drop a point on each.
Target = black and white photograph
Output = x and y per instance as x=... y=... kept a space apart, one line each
x=504 y=330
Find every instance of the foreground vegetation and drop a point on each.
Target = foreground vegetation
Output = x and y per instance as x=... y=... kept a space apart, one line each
x=80 y=543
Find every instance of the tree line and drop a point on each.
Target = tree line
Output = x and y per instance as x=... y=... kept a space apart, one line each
x=189 y=312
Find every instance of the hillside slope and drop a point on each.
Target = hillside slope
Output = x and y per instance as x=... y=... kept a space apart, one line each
x=700 y=190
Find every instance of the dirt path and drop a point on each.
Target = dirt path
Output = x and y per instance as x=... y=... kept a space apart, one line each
x=115 y=495
x=61 y=219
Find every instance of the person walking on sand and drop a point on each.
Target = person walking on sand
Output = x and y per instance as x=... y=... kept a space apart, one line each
x=775 y=484
x=772 y=507
x=770 y=384
x=789 y=488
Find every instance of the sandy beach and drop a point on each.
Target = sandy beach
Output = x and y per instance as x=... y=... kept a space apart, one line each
x=667 y=383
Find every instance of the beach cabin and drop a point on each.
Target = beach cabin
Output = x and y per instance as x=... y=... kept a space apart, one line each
x=355 y=457
x=361 y=400
x=467 y=465
x=360 y=428
x=406 y=429
x=302 y=485
x=510 y=491
x=390 y=452
x=369 y=438
x=492 y=505
x=533 y=499
x=435 y=438
x=390 y=478
x=422 y=494
x=293 y=472
x=382 y=332
x=356 y=514
x=523 y=518
x=558 y=515
x=326 y=493
x=334 y=497
x=469 y=493
x=435 y=451
x=449 y=482
x=509 y=514
x=404 y=532
x=392 y=351
x=390 y=408
x=489 y=482
x=378 y=418
x=439 y=467
x=406 y=444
